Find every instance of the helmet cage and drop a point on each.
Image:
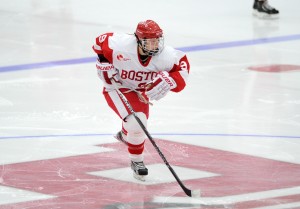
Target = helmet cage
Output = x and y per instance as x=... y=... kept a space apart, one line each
x=151 y=46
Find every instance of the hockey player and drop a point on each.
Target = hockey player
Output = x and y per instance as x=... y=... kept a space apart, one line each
x=143 y=69
x=262 y=9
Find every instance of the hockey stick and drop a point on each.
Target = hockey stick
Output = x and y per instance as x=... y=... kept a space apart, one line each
x=188 y=192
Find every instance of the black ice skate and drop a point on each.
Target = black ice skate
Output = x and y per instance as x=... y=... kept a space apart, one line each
x=120 y=138
x=262 y=9
x=139 y=170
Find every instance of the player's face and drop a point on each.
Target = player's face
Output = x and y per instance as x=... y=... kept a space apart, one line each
x=153 y=46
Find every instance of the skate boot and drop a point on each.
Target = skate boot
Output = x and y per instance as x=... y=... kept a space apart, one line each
x=262 y=9
x=139 y=170
x=119 y=137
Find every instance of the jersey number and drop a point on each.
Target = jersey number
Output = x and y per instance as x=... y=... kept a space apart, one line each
x=102 y=38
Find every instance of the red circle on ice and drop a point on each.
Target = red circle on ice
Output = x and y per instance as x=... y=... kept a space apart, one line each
x=274 y=68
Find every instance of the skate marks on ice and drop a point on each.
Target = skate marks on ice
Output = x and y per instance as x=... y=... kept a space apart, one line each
x=266 y=199
x=158 y=174
x=231 y=201
x=105 y=179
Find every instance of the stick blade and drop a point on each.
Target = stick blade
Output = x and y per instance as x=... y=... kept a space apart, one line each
x=196 y=193
x=192 y=193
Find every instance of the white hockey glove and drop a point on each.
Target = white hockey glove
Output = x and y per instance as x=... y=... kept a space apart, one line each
x=160 y=86
x=106 y=72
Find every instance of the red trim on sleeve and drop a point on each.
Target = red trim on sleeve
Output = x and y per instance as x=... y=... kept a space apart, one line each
x=105 y=75
x=179 y=81
x=175 y=73
x=103 y=42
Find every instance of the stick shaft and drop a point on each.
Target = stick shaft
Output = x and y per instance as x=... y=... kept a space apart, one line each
x=124 y=99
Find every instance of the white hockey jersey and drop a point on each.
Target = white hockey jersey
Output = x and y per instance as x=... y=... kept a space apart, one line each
x=121 y=50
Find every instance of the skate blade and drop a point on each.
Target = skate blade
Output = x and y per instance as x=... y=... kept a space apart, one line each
x=265 y=16
x=139 y=177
